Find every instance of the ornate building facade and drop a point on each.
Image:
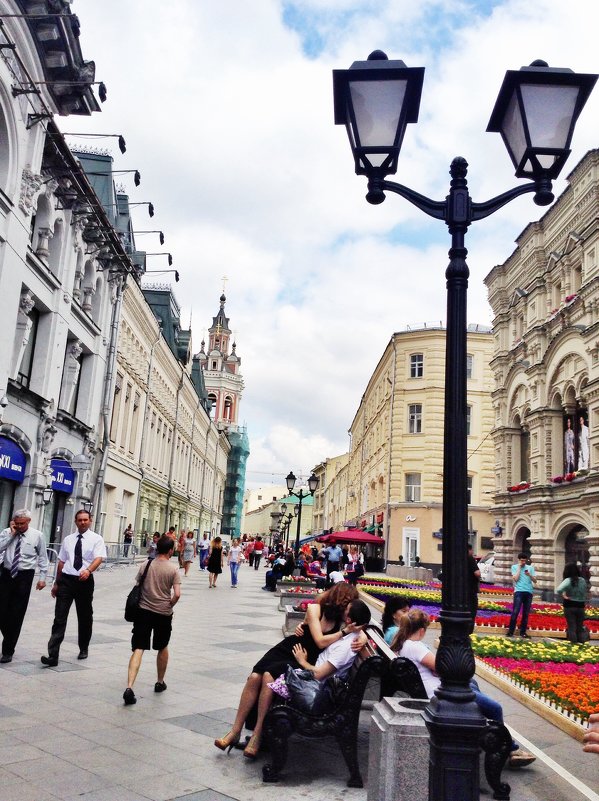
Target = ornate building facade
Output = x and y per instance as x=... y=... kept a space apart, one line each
x=62 y=270
x=167 y=459
x=393 y=481
x=330 y=498
x=545 y=300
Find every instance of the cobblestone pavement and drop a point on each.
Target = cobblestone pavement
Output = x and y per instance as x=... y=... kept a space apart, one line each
x=65 y=734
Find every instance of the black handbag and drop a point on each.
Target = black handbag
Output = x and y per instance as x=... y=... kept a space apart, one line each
x=134 y=597
x=310 y=695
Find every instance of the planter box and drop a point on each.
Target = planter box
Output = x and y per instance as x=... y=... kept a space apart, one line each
x=282 y=586
x=293 y=598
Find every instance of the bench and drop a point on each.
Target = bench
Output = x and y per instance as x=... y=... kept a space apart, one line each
x=401 y=676
x=284 y=720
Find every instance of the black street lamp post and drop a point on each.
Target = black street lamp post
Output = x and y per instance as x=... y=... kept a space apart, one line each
x=285 y=522
x=312 y=487
x=535 y=113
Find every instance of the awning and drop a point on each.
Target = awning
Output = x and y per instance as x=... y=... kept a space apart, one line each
x=311 y=538
x=63 y=476
x=12 y=461
x=357 y=537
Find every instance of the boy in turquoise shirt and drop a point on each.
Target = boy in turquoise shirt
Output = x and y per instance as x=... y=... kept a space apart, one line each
x=523 y=576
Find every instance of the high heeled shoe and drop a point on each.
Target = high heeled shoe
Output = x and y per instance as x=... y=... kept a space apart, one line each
x=253 y=747
x=227 y=742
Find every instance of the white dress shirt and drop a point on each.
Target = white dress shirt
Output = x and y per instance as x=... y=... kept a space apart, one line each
x=92 y=546
x=33 y=550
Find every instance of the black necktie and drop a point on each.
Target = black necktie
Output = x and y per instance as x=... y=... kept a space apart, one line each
x=78 y=560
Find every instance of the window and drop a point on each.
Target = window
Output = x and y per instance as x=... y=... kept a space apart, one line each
x=413 y=487
x=416 y=365
x=524 y=454
x=26 y=366
x=212 y=402
x=469 y=490
x=415 y=418
x=115 y=407
x=134 y=423
x=468 y=419
x=469 y=365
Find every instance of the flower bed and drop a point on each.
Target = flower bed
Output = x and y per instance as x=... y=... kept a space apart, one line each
x=564 y=675
x=495 y=613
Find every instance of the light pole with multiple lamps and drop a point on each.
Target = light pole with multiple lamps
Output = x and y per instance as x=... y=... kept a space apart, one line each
x=535 y=113
x=312 y=487
x=285 y=522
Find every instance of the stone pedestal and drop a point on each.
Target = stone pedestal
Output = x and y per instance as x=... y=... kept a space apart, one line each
x=293 y=616
x=399 y=751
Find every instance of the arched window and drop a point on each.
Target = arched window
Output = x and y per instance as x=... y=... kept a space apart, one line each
x=520 y=452
x=212 y=400
x=55 y=248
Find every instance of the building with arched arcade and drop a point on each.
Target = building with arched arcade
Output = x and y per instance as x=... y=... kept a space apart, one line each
x=545 y=300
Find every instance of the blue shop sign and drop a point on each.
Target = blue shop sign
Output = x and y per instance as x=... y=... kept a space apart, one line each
x=12 y=460
x=63 y=476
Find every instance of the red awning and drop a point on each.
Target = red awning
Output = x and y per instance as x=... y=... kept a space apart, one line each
x=355 y=536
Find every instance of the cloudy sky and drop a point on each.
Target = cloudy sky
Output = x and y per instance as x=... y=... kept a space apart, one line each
x=227 y=111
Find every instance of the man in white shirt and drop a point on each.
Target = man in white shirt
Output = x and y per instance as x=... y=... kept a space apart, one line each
x=80 y=555
x=337 y=658
x=203 y=548
x=22 y=549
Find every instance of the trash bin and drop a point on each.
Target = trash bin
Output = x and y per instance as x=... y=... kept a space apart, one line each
x=398 y=759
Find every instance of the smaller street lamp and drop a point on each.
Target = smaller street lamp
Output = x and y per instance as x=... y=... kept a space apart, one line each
x=313 y=482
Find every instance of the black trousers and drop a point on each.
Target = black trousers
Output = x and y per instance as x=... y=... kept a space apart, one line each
x=70 y=589
x=14 y=599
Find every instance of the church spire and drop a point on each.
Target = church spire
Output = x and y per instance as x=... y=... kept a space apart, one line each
x=224 y=383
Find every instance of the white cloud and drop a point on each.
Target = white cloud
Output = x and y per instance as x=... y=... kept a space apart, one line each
x=231 y=125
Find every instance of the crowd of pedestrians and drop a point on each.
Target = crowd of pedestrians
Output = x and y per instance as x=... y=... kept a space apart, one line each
x=321 y=644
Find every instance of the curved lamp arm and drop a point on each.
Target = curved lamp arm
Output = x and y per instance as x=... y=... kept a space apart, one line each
x=439 y=208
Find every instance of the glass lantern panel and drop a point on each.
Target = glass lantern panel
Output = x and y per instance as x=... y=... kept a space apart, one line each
x=377 y=108
x=549 y=113
x=513 y=129
x=546 y=161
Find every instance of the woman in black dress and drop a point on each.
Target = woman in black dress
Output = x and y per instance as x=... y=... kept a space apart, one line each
x=215 y=561
x=321 y=627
